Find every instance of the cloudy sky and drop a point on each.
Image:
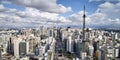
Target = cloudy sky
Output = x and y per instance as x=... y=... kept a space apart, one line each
x=36 y=13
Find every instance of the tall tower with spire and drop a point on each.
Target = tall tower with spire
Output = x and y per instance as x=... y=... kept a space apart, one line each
x=84 y=53
x=84 y=45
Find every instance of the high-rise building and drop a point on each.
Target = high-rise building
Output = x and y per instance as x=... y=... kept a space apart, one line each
x=50 y=32
x=10 y=47
x=71 y=43
x=23 y=48
x=117 y=52
x=37 y=51
x=16 y=47
x=90 y=50
x=32 y=43
x=0 y=54
x=77 y=47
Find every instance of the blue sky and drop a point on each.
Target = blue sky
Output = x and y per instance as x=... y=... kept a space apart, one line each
x=77 y=5
x=63 y=12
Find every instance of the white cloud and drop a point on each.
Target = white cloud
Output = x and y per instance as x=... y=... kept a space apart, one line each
x=112 y=10
x=107 y=15
x=77 y=18
x=31 y=17
x=43 y=5
x=97 y=18
x=1 y=8
x=106 y=5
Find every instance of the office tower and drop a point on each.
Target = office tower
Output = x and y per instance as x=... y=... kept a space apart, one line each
x=96 y=51
x=87 y=35
x=77 y=47
x=16 y=47
x=71 y=42
x=116 y=52
x=90 y=50
x=116 y=36
x=37 y=51
x=4 y=47
x=65 y=45
x=10 y=48
x=32 y=44
x=113 y=36
x=23 y=48
x=50 y=33
x=119 y=35
x=119 y=53
x=0 y=54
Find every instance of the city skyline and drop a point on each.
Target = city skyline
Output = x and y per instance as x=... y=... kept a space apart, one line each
x=29 y=13
x=59 y=30
x=59 y=44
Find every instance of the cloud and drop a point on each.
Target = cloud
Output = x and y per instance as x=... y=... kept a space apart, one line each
x=2 y=8
x=30 y=17
x=112 y=10
x=106 y=5
x=43 y=5
x=77 y=18
x=107 y=15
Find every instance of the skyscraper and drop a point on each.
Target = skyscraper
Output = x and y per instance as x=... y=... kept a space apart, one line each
x=16 y=47
x=10 y=47
x=0 y=54
x=23 y=48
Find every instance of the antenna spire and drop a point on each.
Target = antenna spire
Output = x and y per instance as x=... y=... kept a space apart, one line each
x=84 y=9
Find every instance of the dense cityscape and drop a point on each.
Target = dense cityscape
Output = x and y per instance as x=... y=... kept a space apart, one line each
x=58 y=44
x=40 y=30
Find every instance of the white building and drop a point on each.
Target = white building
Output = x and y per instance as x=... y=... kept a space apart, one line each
x=70 y=43
x=16 y=47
